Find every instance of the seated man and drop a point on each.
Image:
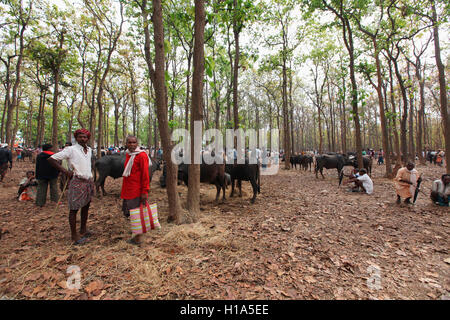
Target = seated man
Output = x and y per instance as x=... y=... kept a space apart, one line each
x=27 y=187
x=405 y=182
x=440 y=191
x=363 y=182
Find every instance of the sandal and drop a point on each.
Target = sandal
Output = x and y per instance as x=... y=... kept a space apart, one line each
x=87 y=234
x=80 y=241
x=132 y=241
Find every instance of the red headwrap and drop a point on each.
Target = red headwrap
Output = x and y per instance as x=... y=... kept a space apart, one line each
x=86 y=132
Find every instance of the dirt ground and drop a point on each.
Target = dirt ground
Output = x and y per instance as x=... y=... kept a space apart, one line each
x=304 y=238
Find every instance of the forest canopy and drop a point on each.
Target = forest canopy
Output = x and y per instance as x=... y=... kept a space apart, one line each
x=331 y=75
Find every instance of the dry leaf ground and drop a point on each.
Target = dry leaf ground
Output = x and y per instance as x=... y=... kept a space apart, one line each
x=305 y=238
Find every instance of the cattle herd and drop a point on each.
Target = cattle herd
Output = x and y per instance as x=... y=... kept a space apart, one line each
x=220 y=175
x=223 y=175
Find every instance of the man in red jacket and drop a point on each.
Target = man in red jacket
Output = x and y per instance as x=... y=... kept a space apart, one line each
x=136 y=181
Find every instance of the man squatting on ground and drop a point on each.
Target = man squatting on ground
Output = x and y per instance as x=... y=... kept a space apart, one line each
x=362 y=182
x=440 y=191
x=405 y=182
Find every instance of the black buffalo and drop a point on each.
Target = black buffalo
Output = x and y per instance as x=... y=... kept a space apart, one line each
x=113 y=166
x=26 y=154
x=352 y=160
x=338 y=161
x=306 y=162
x=209 y=173
x=246 y=172
x=162 y=178
x=330 y=161
x=296 y=160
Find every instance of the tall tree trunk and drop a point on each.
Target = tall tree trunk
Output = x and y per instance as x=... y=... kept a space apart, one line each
x=445 y=108
x=157 y=76
x=14 y=101
x=188 y=90
x=421 y=112
x=16 y=126
x=41 y=118
x=348 y=41
x=56 y=76
x=92 y=114
x=7 y=97
x=29 y=124
x=113 y=39
x=116 y=121
x=403 y=130
x=235 y=76
x=193 y=197
x=384 y=132
x=394 y=120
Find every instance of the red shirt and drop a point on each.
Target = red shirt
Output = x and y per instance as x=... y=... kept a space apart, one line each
x=138 y=181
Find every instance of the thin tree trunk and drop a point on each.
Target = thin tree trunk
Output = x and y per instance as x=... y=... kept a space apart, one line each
x=445 y=108
x=157 y=76
x=193 y=197
x=7 y=97
x=56 y=76
x=14 y=101
x=188 y=91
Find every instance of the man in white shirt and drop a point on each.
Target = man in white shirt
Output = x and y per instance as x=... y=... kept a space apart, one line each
x=363 y=181
x=81 y=185
x=440 y=191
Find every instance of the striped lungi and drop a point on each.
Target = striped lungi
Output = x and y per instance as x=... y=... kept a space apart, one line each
x=79 y=192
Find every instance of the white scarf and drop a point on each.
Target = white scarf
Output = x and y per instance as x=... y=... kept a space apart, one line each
x=413 y=179
x=127 y=171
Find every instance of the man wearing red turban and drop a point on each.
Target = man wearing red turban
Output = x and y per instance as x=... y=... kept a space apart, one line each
x=81 y=185
x=83 y=131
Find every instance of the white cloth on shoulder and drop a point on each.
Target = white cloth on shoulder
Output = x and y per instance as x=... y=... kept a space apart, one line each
x=127 y=171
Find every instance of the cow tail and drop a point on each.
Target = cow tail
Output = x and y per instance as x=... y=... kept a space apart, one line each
x=95 y=172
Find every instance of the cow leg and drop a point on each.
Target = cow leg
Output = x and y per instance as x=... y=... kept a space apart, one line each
x=240 y=188
x=255 y=189
x=232 y=188
x=224 y=185
x=321 y=172
x=218 y=187
x=103 y=188
x=98 y=184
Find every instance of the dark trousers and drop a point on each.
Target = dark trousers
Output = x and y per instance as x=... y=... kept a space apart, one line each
x=41 y=194
x=435 y=197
